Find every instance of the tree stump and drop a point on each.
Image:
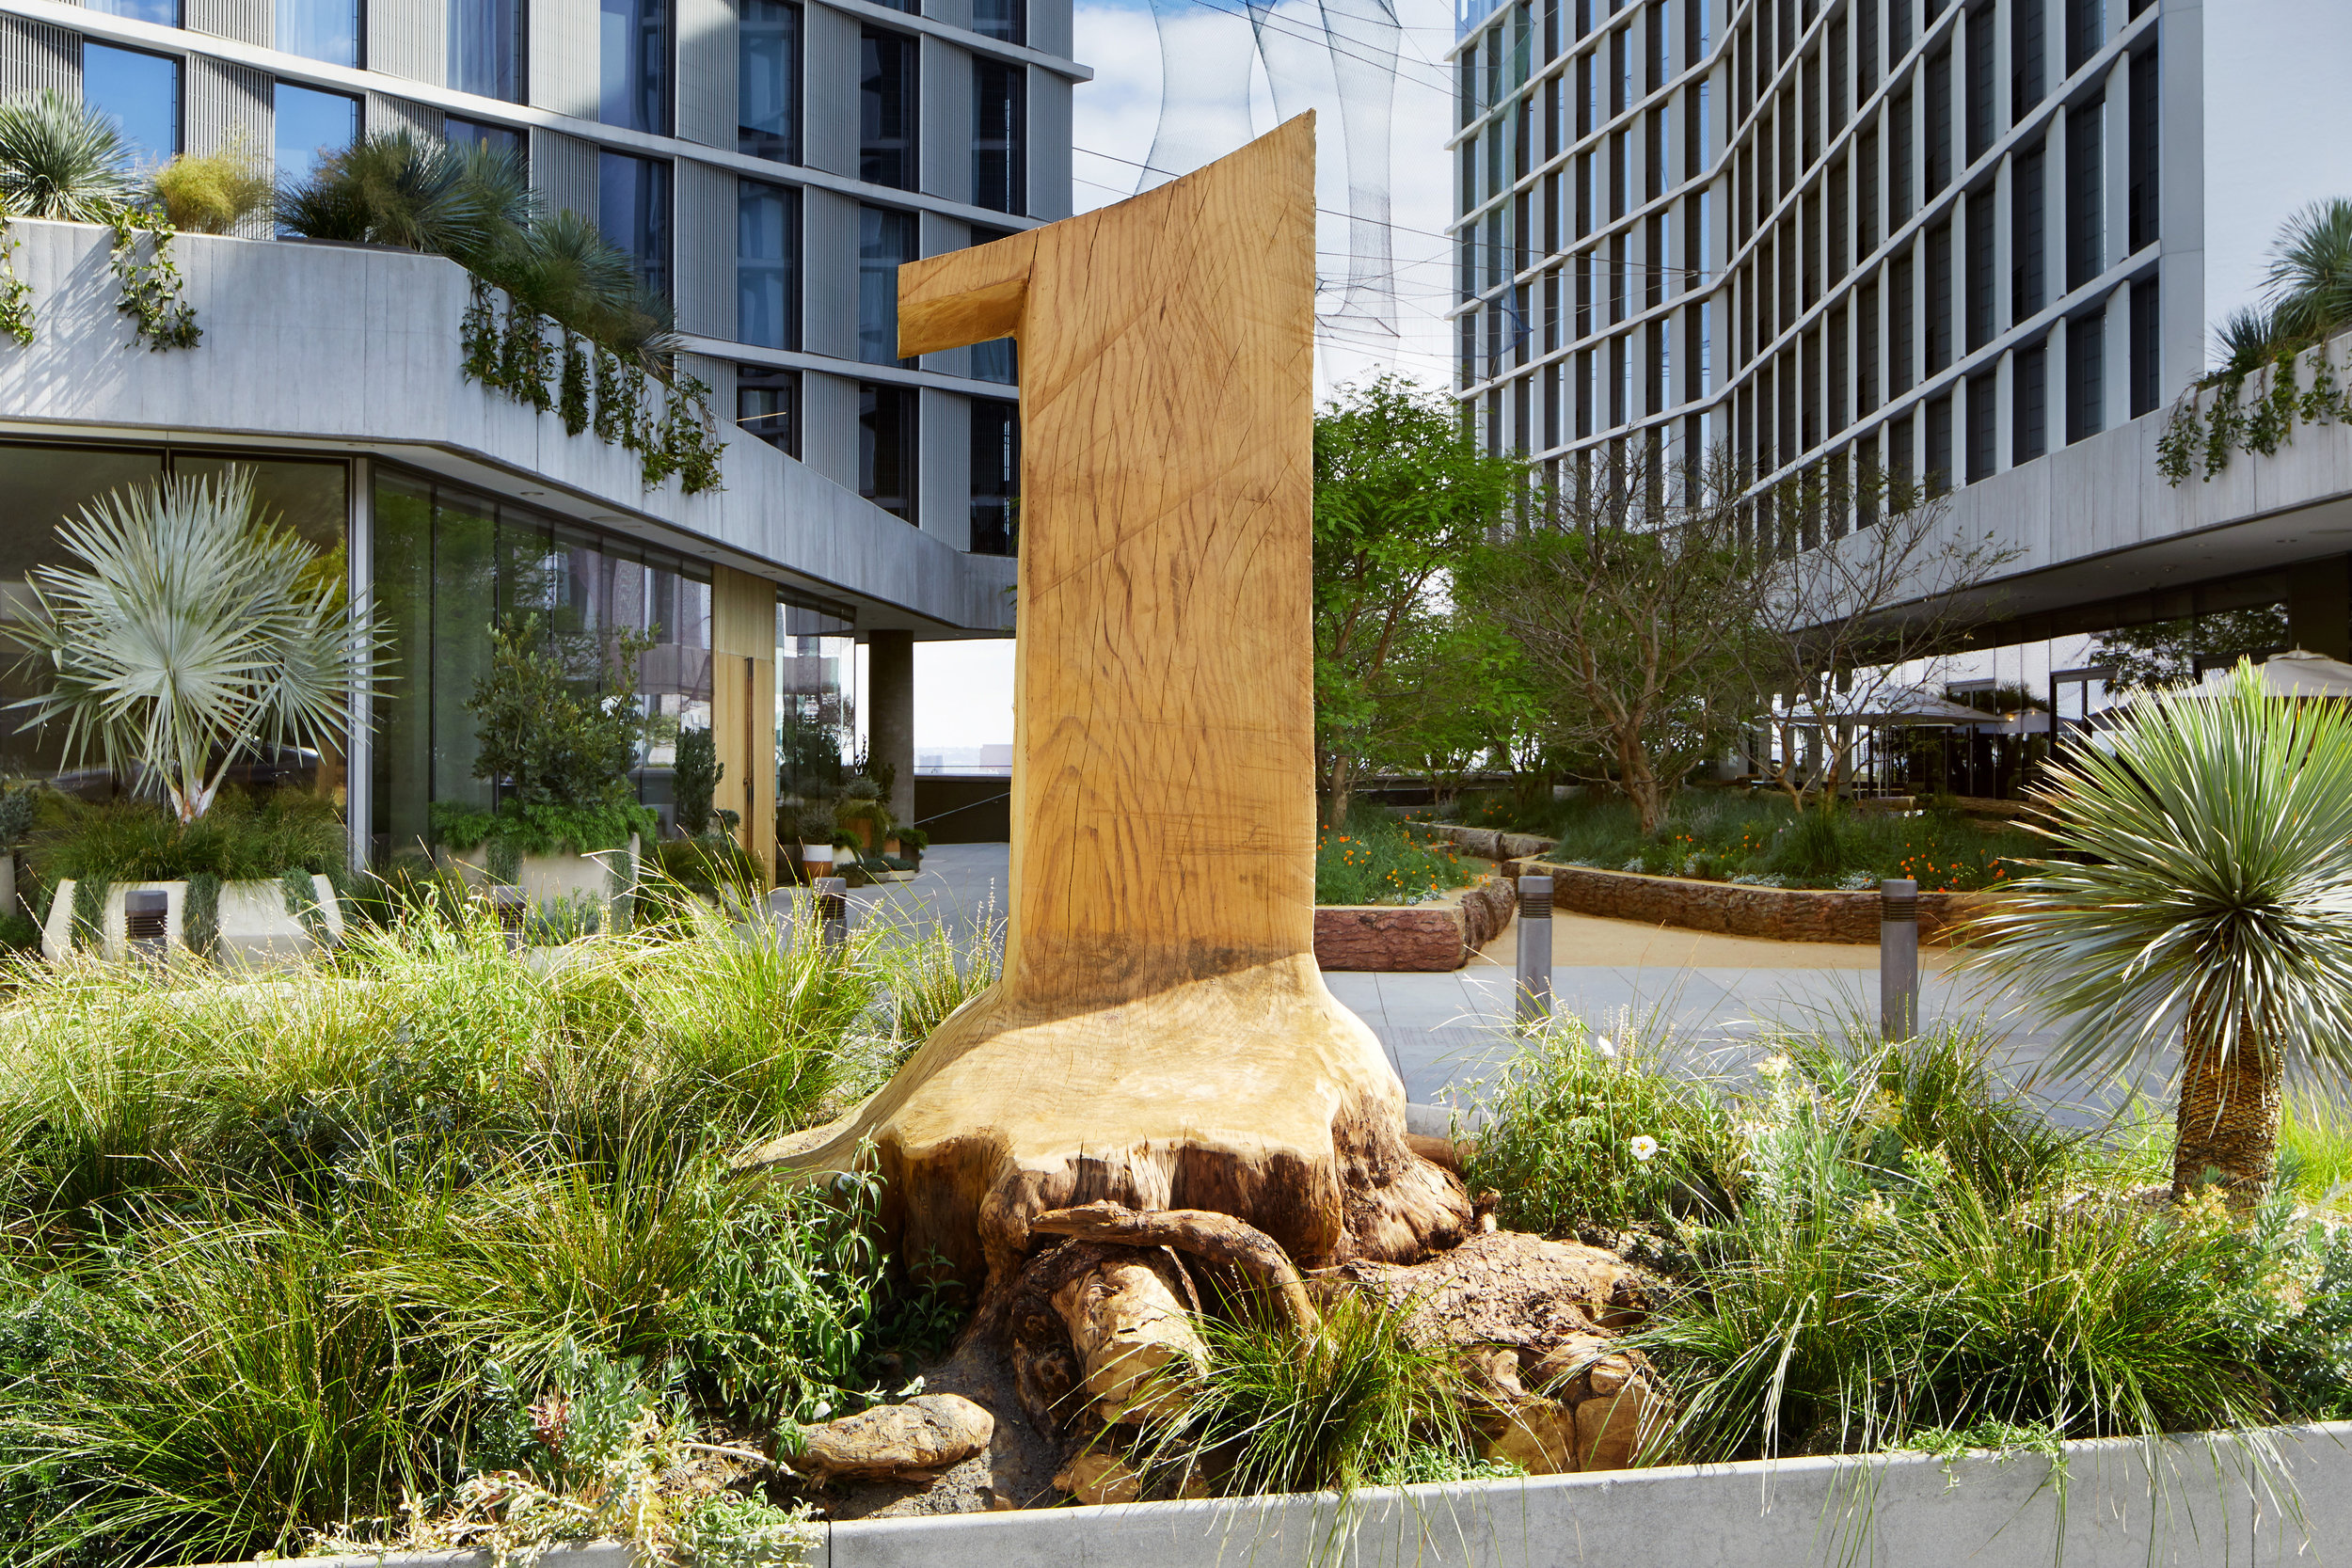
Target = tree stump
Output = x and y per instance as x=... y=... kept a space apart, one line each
x=1161 y=1037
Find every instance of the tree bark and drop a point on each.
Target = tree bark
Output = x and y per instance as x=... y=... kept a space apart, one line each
x=1218 y=1238
x=2227 y=1126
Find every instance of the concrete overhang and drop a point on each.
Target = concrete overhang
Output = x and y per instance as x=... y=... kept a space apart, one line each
x=356 y=351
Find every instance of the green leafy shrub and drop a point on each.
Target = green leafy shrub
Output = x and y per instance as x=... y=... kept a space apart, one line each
x=694 y=781
x=1377 y=861
x=1587 y=1131
x=241 y=839
x=213 y=193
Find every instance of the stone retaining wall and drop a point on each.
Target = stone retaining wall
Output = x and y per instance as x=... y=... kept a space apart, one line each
x=1415 y=939
x=1734 y=908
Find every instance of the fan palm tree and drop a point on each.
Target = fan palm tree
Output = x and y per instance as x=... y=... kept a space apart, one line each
x=61 y=159
x=390 y=188
x=191 y=633
x=2310 y=280
x=2214 y=907
x=564 y=267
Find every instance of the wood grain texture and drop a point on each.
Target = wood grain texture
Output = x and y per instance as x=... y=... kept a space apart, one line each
x=744 y=706
x=1161 y=1037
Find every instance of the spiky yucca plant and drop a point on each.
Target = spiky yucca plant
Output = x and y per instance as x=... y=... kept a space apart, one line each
x=61 y=159
x=193 y=632
x=2213 y=908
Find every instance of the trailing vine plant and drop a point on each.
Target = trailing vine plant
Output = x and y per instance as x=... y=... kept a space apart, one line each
x=592 y=389
x=153 y=292
x=16 y=296
x=2201 y=439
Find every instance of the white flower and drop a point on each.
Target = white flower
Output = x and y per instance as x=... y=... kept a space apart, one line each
x=822 y=1409
x=1602 y=1047
x=1772 y=1068
x=1644 y=1145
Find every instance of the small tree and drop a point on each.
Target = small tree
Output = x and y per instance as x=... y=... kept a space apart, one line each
x=1843 y=616
x=551 y=734
x=694 y=781
x=195 y=633
x=2209 y=902
x=1401 y=491
x=1631 y=607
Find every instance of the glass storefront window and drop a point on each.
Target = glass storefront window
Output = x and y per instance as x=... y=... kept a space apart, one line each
x=815 y=700
x=449 y=564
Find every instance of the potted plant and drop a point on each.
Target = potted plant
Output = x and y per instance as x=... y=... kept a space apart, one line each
x=814 y=829
x=191 y=636
x=907 y=846
x=863 y=813
x=567 y=822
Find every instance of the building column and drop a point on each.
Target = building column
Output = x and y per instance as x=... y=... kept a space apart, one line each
x=2319 y=607
x=890 y=714
x=744 y=706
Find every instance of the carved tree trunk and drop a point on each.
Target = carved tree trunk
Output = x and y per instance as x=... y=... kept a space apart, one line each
x=1161 y=1036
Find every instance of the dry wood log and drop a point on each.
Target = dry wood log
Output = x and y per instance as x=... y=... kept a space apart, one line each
x=1161 y=1036
x=1219 y=1237
x=1138 y=1350
x=923 y=1436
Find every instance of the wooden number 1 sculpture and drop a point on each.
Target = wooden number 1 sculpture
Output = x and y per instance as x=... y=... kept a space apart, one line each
x=1161 y=1036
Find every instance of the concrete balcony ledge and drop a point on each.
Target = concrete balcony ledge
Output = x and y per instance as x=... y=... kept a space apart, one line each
x=357 y=349
x=2270 y=1496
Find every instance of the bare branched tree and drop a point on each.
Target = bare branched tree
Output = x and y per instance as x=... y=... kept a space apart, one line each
x=1633 y=602
x=1841 y=627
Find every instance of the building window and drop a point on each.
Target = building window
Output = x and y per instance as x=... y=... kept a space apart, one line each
x=913 y=7
x=2085 y=29
x=480 y=133
x=166 y=12
x=1006 y=21
x=486 y=48
x=2029 y=433
x=768 y=264
x=634 y=212
x=2086 y=194
x=885 y=448
x=996 y=477
x=2143 y=151
x=887 y=105
x=999 y=135
x=2028 y=214
x=997 y=359
x=2086 y=376
x=1979 y=284
x=1939 y=475
x=887 y=242
x=768 y=406
x=2028 y=31
x=324 y=30
x=633 y=52
x=310 y=125
x=1982 y=413
x=140 y=93
x=2147 y=348
x=768 y=81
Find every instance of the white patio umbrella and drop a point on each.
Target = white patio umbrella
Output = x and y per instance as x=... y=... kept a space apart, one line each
x=2298 y=673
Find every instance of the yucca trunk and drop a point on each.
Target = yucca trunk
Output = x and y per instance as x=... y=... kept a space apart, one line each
x=2228 y=1122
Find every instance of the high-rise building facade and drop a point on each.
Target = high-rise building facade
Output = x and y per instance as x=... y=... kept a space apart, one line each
x=1931 y=237
x=768 y=162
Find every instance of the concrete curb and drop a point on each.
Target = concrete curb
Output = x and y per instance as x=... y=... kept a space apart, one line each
x=2270 y=1496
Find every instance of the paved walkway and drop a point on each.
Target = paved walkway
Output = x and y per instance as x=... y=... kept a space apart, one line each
x=1447 y=1032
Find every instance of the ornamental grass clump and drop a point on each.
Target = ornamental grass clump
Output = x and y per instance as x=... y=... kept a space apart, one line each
x=2205 y=908
x=291 y=1266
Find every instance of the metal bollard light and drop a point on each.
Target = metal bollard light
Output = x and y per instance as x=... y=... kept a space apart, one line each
x=146 y=924
x=1899 y=959
x=833 y=911
x=1534 y=979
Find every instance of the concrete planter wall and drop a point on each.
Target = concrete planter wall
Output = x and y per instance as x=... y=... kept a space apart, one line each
x=1419 y=938
x=559 y=878
x=1734 y=908
x=2281 y=1496
x=257 y=930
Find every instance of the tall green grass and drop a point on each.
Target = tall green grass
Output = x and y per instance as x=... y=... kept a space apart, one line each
x=267 y=1245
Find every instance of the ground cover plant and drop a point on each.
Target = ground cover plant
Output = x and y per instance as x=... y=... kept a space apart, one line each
x=438 y=1245
x=1720 y=835
x=1864 y=1245
x=1377 y=859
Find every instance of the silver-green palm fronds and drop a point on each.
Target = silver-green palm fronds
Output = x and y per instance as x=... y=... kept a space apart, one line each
x=2249 y=338
x=61 y=159
x=191 y=633
x=2212 y=907
x=2310 y=279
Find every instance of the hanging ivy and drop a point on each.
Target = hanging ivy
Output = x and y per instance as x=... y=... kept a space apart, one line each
x=572 y=401
x=478 y=335
x=154 y=293
x=16 y=296
x=2201 y=438
x=593 y=390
